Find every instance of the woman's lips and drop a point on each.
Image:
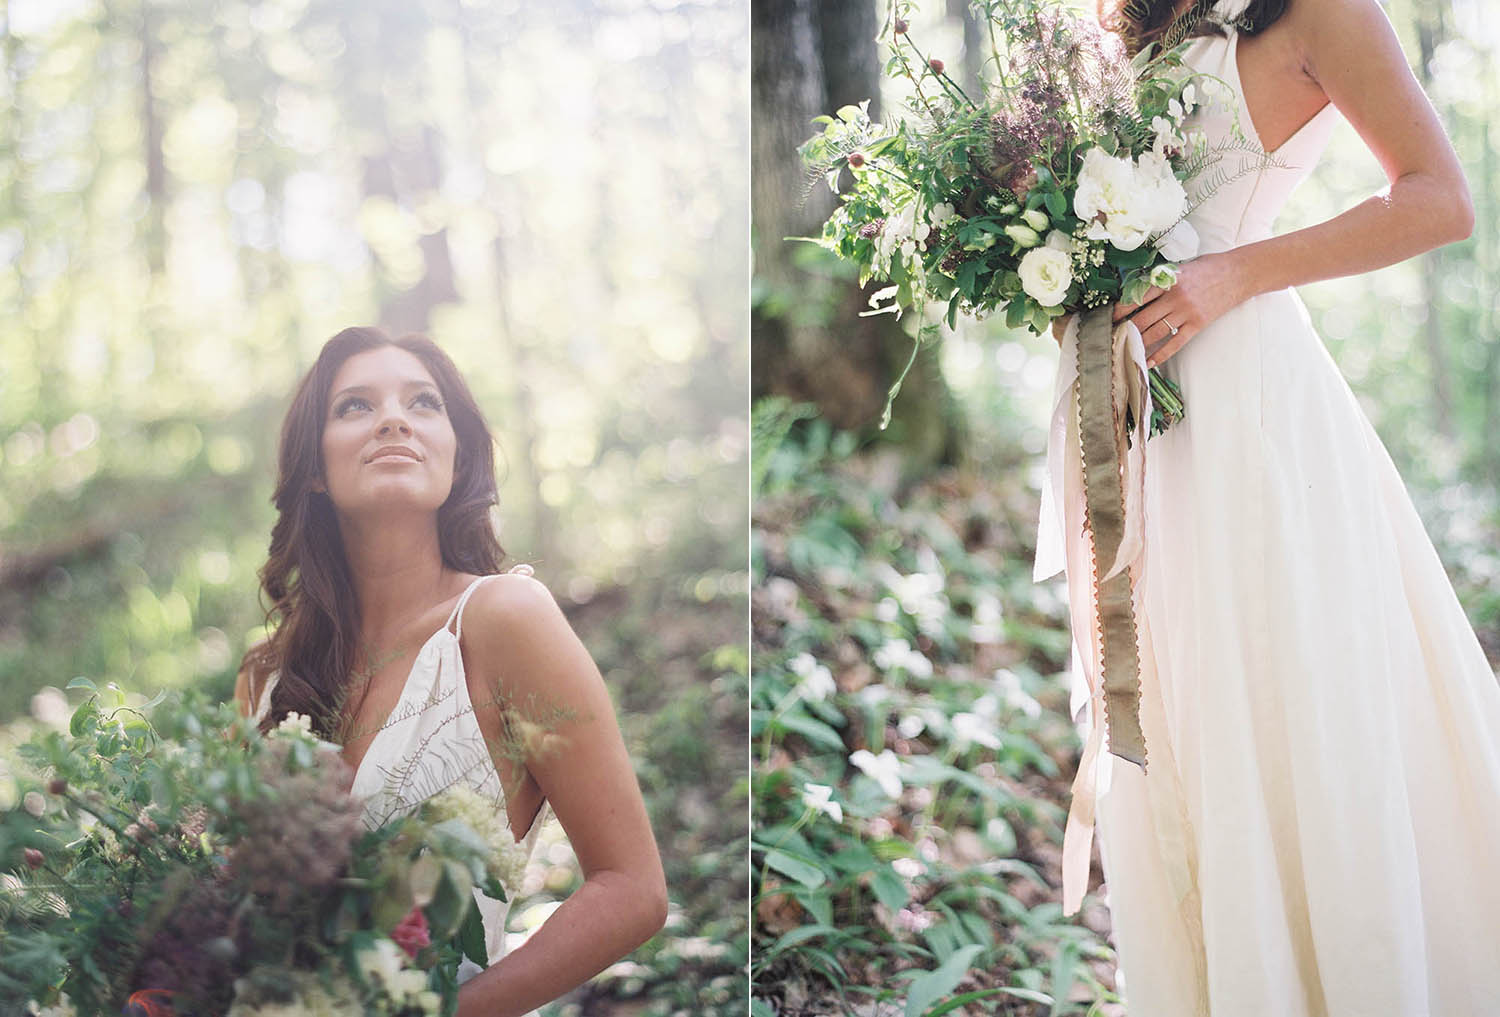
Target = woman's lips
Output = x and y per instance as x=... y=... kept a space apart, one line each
x=394 y=452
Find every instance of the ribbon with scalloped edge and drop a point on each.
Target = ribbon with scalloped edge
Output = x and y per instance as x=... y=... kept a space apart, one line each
x=1092 y=526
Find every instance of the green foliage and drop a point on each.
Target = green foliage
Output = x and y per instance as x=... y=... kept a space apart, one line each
x=172 y=848
x=910 y=744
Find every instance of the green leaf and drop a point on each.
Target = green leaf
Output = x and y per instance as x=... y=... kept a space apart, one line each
x=799 y=869
x=798 y=936
x=471 y=938
x=965 y=998
x=931 y=986
x=1056 y=204
x=81 y=683
x=813 y=730
x=760 y=1008
x=890 y=889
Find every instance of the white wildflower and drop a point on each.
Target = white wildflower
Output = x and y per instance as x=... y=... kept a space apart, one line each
x=940 y=213
x=817 y=682
x=884 y=769
x=1015 y=696
x=820 y=798
x=896 y=654
x=972 y=729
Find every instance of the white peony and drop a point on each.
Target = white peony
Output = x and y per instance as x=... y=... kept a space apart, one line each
x=1046 y=273
x=1125 y=202
x=1179 y=243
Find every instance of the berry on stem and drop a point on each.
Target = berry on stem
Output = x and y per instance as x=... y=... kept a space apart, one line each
x=936 y=65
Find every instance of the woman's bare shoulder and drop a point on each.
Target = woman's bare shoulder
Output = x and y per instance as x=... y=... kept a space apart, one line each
x=513 y=628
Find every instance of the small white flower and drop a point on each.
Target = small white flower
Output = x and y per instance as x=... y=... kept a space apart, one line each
x=1046 y=273
x=884 y=769
x=1190 y=97
x=972 y=729
x=940 y=213
x=1016 y=697
x=1036 y=219
x=820 y=797
x=911 y=725
x=1162 y=277
x=817 y=681
x=34 y=803
x=294 y=723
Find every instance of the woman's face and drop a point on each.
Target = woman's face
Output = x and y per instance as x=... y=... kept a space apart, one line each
x=387 y=440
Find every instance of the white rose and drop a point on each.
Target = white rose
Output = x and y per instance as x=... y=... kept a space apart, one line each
x=1046 y=274
x=1179 y=243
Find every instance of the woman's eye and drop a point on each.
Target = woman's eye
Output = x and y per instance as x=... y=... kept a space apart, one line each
x=428 y=399
x=353 y=402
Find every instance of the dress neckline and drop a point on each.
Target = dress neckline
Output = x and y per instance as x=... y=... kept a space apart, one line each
x=452 y=627
x=446 y=627
x=1243 y=104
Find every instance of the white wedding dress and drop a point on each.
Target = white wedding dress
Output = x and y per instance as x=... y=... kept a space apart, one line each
x=1317 y=833
x=430 y=742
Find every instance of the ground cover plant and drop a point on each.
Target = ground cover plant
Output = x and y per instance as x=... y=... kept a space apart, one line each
x=910 y=742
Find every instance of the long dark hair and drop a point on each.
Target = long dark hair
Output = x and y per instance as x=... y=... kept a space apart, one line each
x=1139 y=22
x=312 y=611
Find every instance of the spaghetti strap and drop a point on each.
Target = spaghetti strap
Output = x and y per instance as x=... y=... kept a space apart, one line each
x=458 y=609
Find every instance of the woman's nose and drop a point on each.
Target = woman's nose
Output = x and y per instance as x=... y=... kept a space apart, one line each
x=394 y=425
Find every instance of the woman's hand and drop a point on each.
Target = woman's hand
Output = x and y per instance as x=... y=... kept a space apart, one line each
x=1206 y=288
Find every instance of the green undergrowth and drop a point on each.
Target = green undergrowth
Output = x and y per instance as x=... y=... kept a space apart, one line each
x=911 y=750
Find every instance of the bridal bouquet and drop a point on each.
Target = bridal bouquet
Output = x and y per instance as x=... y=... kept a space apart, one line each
x=1059 y=189
x=182 y=864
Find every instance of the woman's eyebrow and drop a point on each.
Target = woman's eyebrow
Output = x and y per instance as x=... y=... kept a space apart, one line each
x=408 y=385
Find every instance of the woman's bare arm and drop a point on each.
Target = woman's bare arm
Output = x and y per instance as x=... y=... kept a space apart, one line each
x=519 y=642
x=1349 y=48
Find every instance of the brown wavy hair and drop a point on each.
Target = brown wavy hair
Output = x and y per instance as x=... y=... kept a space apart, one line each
x=1139 y=22
x=313 y=613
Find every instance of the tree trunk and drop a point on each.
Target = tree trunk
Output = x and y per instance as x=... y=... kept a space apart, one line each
x=808 y=340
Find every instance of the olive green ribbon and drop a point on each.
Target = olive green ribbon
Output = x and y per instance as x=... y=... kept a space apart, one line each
x=1101 y=423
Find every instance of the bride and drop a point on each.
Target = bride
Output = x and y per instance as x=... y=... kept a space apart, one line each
x=1314 y=834
x=400 y=641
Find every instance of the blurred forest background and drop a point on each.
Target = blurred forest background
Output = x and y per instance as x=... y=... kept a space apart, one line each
x=193 y=197
x=910 y=743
